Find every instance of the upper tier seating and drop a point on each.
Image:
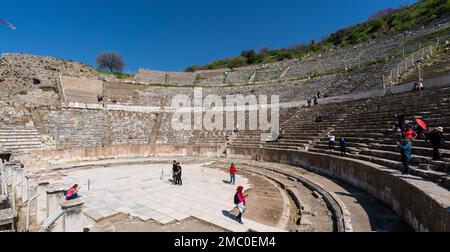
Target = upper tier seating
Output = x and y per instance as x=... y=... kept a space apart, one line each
x=81 y=90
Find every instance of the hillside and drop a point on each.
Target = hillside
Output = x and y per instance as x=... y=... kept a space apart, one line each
x=382 y=23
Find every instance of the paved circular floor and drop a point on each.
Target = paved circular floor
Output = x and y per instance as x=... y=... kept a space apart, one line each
x=146 y=191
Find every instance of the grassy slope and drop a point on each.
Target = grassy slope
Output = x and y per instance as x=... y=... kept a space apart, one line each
x=407 y=18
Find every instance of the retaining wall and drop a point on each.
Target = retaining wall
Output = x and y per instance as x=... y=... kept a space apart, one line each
x=425 y=208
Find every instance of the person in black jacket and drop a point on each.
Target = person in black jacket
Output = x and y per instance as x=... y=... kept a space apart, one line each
x=436 y=138
x=178 y=174
x=174 y=172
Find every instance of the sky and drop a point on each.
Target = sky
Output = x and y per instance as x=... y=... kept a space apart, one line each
x=171 y=35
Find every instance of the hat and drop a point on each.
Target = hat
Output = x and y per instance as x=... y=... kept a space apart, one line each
x=440 y=129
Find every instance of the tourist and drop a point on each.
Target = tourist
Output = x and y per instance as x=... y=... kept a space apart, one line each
x=233 y=172
x=316 y=100
x=99 y=98
x=332 y=141
x=174 y=172
x=309 y=103
x=400 y=122
x=409 y=134
x=436 y=137
x=420 y=86
x=319 y=119
x=72 y=193
x=406 y=154
x=343 y=143
x=280 y=135
x=179 y=174
x=240 y=201
x=319 y=95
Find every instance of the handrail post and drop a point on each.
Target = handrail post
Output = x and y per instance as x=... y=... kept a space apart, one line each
x=6 y=185
x=28 y=211
x=14 y=194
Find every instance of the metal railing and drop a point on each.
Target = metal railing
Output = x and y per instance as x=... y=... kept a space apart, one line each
x=52 y=219
x=27 y=227
x=417 y=58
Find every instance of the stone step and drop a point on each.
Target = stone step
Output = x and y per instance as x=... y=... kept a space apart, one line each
x=436 y=176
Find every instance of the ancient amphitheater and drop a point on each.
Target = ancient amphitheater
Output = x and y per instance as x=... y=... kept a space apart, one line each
x=54 y=133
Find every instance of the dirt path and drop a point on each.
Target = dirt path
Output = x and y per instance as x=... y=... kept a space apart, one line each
x=265 y=203
x=367 y=213
x=321 y=219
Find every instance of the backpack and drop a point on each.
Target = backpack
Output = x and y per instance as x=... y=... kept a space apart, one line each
x=236 y=199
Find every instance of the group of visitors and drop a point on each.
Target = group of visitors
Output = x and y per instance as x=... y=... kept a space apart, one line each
x=332 y=143
x=176 y=173
x=409 y=132
x=315 y=99
x=319 y=119
x=239 y=197
x=101 y=98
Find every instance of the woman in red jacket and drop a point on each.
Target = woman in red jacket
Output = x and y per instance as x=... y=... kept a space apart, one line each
x=409 y=134
x=233 y=172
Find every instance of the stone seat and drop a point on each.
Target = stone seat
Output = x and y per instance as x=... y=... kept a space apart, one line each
x=436 y=176
x=7 y=216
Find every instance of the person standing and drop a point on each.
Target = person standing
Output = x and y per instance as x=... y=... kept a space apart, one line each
x=240 y=201
x=343 y=143
x=332 y=141
x=179 y=174
x=233 y=172
x=174 y=172
x=406 y=154
x=436 y=137
x=409 y=134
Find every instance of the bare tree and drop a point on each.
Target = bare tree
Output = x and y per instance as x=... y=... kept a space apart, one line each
x=111 y=61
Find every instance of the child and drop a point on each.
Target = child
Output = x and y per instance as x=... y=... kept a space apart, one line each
x=72 y=193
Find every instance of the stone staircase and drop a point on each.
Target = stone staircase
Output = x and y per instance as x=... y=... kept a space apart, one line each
x=14 y=138
x=81 y=90
x=366 y=125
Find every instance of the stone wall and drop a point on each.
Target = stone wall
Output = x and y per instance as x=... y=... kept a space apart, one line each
x=423 y=205
x=54 y=158
x=211 y=77
x=165 y=78
x=92 y=128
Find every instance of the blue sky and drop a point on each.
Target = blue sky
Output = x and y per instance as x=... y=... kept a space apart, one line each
x=172 y=34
